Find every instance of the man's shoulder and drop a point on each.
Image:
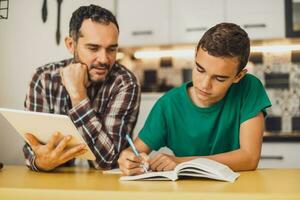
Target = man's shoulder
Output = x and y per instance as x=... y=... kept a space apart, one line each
x=51 y=68
x=122 y=75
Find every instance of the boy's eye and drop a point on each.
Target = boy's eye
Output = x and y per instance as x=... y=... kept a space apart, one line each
x=220 y=79
x=200 y=70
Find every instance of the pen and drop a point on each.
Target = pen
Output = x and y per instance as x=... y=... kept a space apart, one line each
x=135 y=151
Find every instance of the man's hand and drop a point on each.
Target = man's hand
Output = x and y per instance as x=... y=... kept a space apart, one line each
x=75 y=79
x=130 y=164
x=163 y=162
x=54 y=153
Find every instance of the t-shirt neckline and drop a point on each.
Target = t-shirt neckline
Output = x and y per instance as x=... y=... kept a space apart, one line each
x=194 y=106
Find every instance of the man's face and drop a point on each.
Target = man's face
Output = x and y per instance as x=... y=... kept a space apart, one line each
x=97 y=47
x=212 y=76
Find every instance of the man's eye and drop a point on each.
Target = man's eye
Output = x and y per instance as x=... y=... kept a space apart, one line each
x=93 y=49
x=112 y=49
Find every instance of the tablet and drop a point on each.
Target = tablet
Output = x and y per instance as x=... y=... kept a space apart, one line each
x=43 y=125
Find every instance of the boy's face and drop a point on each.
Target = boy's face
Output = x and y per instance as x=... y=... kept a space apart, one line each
x=212 y=76
x=96 y=47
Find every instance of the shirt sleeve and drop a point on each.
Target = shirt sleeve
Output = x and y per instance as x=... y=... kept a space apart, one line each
x=105 y=135
x=154 y=132
x=255 y=99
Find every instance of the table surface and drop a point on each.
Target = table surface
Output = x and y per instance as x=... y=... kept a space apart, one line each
x=84 y=183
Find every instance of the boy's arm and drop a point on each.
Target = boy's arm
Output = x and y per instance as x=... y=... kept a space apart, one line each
x=244 y=158
x=247 y=157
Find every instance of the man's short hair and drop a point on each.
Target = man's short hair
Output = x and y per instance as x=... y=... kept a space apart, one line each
x=93 y=12
x=227 y=40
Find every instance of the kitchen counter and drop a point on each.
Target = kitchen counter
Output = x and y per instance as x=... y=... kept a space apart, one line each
x=17 y=182
x=281 y=138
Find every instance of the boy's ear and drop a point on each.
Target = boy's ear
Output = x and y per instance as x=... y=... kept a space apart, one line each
x=70 y=44
x=240 y=75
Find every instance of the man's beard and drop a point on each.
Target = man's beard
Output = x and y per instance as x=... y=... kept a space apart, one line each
x=100 y=65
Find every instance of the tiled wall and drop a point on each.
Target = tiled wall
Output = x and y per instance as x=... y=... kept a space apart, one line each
x=279 y=72
x=283 y=89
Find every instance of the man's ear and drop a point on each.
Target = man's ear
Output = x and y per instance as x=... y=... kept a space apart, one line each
x=70 y=44
x=240 y=75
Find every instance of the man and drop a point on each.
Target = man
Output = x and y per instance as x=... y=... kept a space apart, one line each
x=99 y=95
x=219 y=115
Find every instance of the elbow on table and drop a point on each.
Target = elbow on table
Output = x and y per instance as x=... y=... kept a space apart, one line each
x=252 y=163
x=106 y=163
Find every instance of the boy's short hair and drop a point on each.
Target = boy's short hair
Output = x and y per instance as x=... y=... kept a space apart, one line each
x=227 y=40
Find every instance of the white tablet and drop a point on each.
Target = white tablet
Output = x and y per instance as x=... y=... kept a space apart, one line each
x=43 y=125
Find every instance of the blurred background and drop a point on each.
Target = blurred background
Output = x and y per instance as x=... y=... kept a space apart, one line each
x=157 y=42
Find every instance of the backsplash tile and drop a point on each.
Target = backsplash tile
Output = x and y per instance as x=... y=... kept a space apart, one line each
x=276 y=71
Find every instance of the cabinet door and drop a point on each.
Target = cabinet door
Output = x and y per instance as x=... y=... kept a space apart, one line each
x=108 y=4
x=191 y=18
x=280 y=155
x=261 y=19
x=143 y=22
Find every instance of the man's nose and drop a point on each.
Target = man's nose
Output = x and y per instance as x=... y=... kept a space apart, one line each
x=102 y=56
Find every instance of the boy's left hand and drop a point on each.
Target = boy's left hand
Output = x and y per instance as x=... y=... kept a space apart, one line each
x=163 y=162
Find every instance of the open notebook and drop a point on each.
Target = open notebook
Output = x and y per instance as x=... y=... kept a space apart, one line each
x=200 y=167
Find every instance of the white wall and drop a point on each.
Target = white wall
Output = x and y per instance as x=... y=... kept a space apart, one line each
x=25 y=44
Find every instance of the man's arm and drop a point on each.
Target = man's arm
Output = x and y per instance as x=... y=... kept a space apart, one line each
x=248 y=155
x=54 y=153
x=105 y=134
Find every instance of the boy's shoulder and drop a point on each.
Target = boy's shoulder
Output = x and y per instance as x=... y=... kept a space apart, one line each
x=247 y=83
x=173 y=94
x=250 y=79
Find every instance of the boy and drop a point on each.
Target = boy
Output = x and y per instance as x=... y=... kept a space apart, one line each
x=219 y=115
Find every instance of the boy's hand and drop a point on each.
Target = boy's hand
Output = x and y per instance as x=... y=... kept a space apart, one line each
x=130 y=164
x=163 y=162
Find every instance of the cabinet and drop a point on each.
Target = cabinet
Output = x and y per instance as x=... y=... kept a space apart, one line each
x=260 y=19
x=161 y=22
x=280 y=155
x=292 y=18
x=190 y=19
x=143 y=22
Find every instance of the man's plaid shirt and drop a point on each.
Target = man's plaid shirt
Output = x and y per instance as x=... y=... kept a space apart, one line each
x=103 y=119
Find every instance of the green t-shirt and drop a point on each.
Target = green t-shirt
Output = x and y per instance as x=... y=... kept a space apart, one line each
x=188 y=130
